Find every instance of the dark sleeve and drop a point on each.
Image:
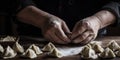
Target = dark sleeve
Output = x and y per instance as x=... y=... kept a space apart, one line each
x=11 y=7
x=114 y=7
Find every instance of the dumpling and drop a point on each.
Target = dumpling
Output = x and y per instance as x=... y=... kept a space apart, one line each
x=8 y=39
x=118 y=53
x=88 y=53
x=113 y=45
x=92 y=43
x=36 y=49
x=18 y=48
x=88 y=45
x=98 y=48
x=1 y=50
x=49 y=47
x=107 y=53
x=9 y=53
x=29 y=53
x=56 y=53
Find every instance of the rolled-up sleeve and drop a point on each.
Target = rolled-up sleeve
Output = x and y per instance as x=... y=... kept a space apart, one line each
x=114 y=7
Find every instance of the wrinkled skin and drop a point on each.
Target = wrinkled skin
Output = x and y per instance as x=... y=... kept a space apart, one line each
x=85 y=30
x=56 y=30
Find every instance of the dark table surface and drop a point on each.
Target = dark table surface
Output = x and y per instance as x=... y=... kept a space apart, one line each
x=26 y=41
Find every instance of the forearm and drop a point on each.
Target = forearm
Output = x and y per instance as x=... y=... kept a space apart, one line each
x=33 y=15
x=105 y=18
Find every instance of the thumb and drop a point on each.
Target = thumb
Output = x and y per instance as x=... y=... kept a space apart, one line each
x=66 y=29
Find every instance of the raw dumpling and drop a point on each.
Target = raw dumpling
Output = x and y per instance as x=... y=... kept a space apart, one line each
x=92 y=43
x=113 y=45
x=107 y=53
x=88 y=45
x=98 y=48
x=56 y=53
x=9 y=53
x=49 y=47
x=88 y=53
x=36 y=49
x=8 y=39
x=18 y=48
x=29 y=54
x=1 y=50
x=118 y=53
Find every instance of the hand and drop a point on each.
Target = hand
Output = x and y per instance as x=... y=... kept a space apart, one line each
x=56 y=30
x=85 y=30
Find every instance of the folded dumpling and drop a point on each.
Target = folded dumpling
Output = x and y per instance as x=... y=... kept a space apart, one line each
x=56 y=53
x=98 y=48
x=9 y=53
x=8 y=39
x=89 y=45
x=49 y=47
x=113 y=45
x=29 y=53
x=36 y=49
x=107 y=53
x=18 y=48
x=1 y=50
x=88 y=53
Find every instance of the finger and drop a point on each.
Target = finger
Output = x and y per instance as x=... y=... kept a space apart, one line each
x=81 y=37
x=65 y=28
x=78 y=29
x=87 y=40
x=57 y=39
x=60 y=33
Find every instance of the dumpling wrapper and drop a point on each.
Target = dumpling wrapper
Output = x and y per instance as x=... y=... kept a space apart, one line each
x=49 y=47
x=98 y=48
x=88 y=45
x=1 y=50
x=9 y=53
x=18 y=48
x=36 y=49
x=113 y=45
x=56 y=53
x=8 y=39
x=88 y=53
x=107 y=53
x=29 y=54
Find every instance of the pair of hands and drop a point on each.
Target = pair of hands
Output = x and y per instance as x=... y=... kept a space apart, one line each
x=56 y=30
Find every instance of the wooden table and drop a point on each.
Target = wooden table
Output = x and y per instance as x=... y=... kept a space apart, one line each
x=26 y=41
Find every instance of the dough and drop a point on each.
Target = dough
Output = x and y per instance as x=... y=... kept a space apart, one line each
x=1 y=50
x=56 y=53
x=88 y=53
x=29 y=53
x=36 y=49
x=8 y=39
x=98 y=48
x=113 y=45
x=107 y=53
x=18 y=48
x=9 y=53
x=49 y=47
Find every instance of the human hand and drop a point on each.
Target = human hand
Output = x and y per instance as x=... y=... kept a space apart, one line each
x=85 y=30
x=56 y=30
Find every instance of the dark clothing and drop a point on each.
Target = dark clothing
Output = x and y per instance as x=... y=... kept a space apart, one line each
x=70 y=11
